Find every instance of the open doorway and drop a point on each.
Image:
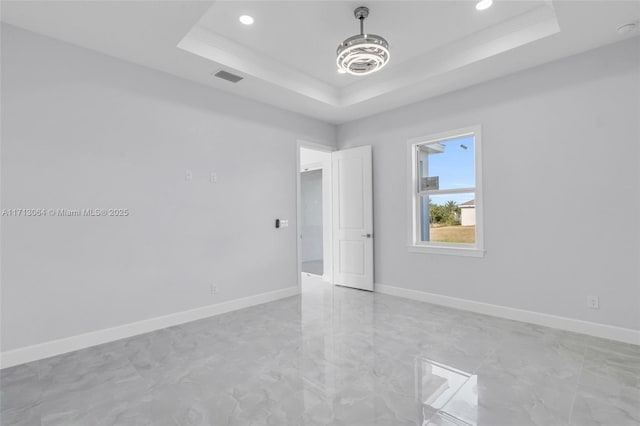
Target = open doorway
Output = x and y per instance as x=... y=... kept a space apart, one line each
x=343 y=216
x=311 y=203
x=314 y=212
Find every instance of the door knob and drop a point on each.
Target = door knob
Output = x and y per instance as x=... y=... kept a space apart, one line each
x=366 y=235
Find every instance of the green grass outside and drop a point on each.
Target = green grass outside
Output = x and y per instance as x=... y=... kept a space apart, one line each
x=453 y=234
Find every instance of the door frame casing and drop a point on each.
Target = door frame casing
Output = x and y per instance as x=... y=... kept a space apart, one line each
x=327 y=224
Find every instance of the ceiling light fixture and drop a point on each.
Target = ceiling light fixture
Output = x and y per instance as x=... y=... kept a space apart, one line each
x=362 y=53
x=246 y=19
x=626 y=28
x=484 y=4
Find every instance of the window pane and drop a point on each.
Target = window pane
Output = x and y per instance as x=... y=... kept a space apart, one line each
x=448 y=218
x=451 y=161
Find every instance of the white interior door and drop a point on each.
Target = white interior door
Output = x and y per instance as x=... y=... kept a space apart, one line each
x=353 y=218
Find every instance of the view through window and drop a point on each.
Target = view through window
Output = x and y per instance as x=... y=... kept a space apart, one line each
x=446 y=190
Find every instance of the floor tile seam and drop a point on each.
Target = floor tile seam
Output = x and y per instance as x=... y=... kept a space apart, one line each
x=577 y=386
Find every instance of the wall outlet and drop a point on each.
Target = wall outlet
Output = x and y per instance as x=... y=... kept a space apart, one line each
x=213 y=177
x=188 y=175
x=593 y=302
x=214 y=289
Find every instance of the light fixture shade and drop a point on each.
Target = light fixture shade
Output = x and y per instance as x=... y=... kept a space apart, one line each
x=362 y=53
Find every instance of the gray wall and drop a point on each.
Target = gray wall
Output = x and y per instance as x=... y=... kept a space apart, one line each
x=311 y=215
x=561 y=188
x=84 y=130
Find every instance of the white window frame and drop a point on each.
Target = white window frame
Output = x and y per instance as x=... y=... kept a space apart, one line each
x=415 y=245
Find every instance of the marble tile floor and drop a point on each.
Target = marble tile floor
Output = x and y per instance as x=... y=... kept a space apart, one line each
x=334 y=356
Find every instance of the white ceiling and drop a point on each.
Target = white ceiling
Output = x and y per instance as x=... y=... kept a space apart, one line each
x=288 y=56
x=305 y=35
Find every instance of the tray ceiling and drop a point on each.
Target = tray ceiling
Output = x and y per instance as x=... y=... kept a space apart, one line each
x=287 y=57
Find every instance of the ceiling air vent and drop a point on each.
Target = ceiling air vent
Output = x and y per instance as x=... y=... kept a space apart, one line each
x=228 y=76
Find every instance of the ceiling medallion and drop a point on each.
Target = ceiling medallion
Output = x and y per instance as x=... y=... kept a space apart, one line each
x=362 y=54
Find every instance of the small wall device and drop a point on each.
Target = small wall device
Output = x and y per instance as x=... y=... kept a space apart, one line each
x=282 y=223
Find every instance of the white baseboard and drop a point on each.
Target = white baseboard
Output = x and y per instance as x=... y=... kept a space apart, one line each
x=620 y=334
x=82 y=341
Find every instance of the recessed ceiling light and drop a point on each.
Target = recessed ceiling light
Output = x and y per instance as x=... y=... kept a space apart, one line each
x=246 y=19
x=626 y=28
x=484 y=4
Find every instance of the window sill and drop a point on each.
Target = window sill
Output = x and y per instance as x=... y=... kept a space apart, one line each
x=449 y=251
